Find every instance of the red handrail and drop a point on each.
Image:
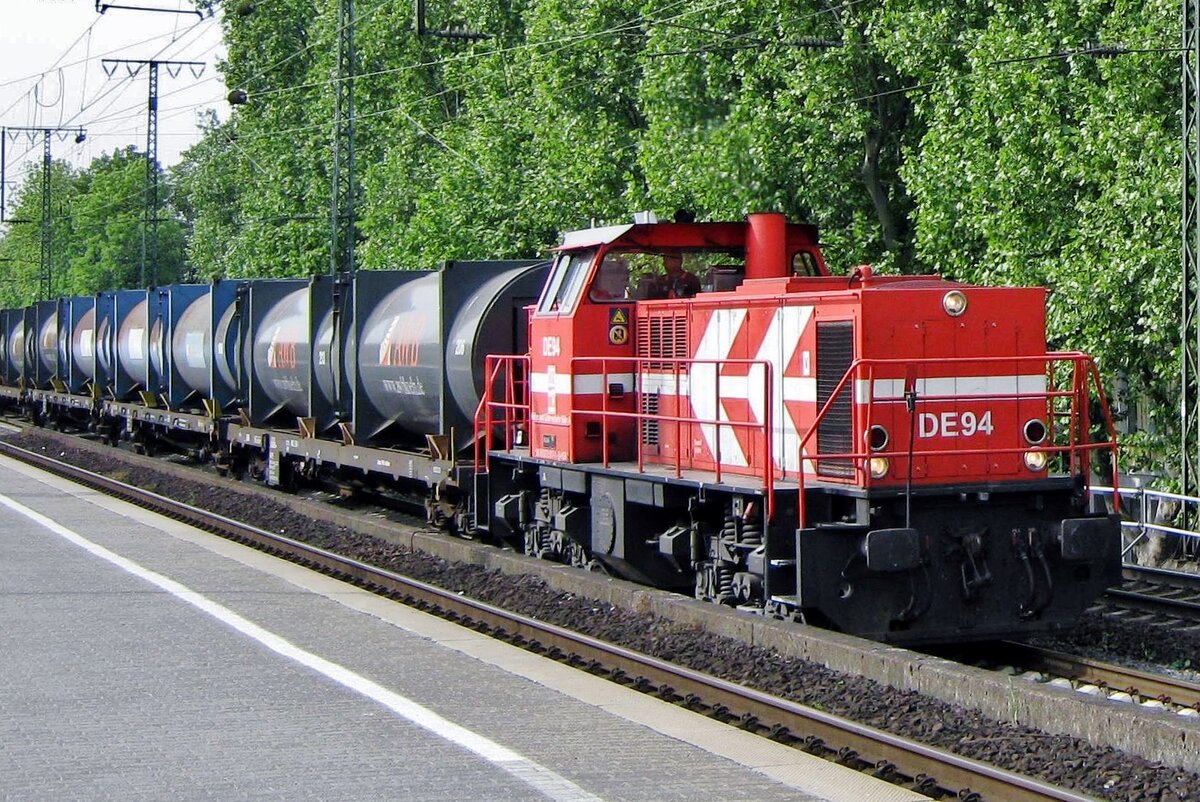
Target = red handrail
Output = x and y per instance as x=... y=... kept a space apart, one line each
x=511 y=375
x=1083 y=368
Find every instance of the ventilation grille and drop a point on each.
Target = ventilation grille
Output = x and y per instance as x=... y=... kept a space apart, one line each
x=650 y=424
x=835 y=352
x=663 y=337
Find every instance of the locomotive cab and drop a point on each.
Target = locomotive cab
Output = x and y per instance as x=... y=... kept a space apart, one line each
x=588 y=323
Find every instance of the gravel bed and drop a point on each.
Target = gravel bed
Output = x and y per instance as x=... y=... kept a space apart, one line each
x=1058 y=759
x=1162 y=648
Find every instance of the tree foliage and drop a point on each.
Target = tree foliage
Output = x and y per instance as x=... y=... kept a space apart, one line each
x=976 y=139
x=96 y=227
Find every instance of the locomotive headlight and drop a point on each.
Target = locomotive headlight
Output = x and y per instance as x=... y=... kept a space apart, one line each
x=1034 y=431
x=879 y=467
x=954 y=302
x=877 y=438
x=1036 y=460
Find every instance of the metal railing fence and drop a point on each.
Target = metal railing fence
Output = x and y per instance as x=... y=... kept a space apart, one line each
x=1146 y=512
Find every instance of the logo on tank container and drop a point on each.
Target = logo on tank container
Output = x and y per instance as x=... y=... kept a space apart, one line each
x=404 y=386
x=401 y=346
x=281 y=356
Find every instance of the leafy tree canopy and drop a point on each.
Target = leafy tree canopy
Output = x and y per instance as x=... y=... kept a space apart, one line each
x=977 y=139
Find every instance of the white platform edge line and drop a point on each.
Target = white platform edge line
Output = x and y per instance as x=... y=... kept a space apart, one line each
x=542 y=779
x=786 y=765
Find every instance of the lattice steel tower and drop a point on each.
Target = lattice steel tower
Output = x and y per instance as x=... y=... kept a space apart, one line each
x=1190 y=320
x=149 y=265
x=343 y=183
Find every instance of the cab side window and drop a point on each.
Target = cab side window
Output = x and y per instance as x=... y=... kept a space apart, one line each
x=805 y=264
x=612 y=279
x=566 y=282
x=634 y=275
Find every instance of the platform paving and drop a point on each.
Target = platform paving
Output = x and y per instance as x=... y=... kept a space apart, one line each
x=142 y=659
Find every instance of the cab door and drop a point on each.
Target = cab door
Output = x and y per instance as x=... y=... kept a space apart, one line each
x=581 y=368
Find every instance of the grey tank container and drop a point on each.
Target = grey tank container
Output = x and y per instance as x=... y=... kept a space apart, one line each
x=398 y=355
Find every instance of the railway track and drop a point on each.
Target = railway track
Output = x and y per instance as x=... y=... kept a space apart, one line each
x=1096 y=677
x=1160 y=592
x=907 y=762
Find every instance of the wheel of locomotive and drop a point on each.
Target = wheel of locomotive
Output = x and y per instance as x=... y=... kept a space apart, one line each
x=575 y=555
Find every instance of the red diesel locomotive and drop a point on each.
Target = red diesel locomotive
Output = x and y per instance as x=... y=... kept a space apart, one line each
x=704 y=407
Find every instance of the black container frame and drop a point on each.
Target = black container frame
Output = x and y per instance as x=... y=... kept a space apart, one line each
x=173 y=301
x=70 y=314
x=114 y=307
x=257 y=299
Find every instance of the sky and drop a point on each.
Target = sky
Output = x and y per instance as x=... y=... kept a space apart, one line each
x=51 y=75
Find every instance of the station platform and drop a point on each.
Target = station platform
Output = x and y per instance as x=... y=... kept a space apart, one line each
x=144 y=659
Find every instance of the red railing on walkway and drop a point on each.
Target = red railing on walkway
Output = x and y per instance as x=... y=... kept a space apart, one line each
x=511 y=412
x=504 y=413
x=1078 y=448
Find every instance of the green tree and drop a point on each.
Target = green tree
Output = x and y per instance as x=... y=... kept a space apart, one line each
x=97 y=221
x=22 y=280
x=109 y=214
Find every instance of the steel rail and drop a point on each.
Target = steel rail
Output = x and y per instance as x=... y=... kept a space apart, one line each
x=1154 y=603
x=1105 y=675
x=1163 y=576
x=852 y=741
x=1158 y=591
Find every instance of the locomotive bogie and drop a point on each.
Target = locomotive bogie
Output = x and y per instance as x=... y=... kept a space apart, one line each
x=641 y=528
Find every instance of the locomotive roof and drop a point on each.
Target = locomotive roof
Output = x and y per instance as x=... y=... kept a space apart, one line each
x=590 y=237
x=679 y=235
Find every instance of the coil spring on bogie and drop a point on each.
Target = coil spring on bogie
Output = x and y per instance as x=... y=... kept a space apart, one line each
x=537 y=541
x=731 y=531
x=724 y=572
x=537 y=537
x=738 y=530
x=752 y=533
